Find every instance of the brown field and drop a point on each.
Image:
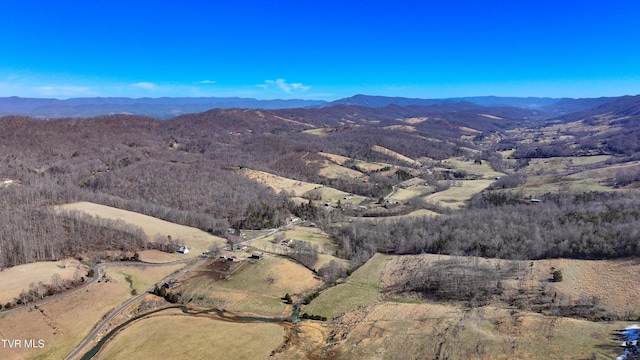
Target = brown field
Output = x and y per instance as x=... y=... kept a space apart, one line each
x=15 y=279
x=402 y=195
x=483 y=169
x=365 y=165
x=493 y=117
x=318 y=132
x=334 y=171
x=407 y=128
x=410 y=328
x=252 y=286
x=605 y=279
x=456 y=196
x=415 y=120
x=279 y=183
x=564 y=164
x=191 y=337
x=416 y=213
x=196 y=240
x=395 y=155
x=311 y=235
x=433 y=331
x=62 y=323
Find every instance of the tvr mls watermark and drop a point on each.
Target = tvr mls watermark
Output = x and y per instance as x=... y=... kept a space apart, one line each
x=23 y=343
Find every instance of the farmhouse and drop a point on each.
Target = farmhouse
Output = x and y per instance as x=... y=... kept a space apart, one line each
x=287 y=242
x=257 y=256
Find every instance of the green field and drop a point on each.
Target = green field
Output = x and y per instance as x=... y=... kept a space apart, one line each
x=361 y=288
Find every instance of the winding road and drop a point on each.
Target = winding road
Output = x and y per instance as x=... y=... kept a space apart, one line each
x=97 y=269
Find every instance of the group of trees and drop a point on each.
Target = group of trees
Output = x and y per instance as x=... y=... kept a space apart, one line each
x=584 y=226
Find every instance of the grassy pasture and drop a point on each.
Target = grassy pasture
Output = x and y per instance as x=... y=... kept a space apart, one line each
x=395 y=155
x=456 y=196
x=416 y=213
x=311 y=235
x=193 y=338
x=257 y=287
x=364 y=165
x=331 y=170
x=141 y=279
x=483 y=169
x=359 y=289
x=15 y=279
x=402 y=195
x=563 y=164
x=279 y=183
x=196 y=240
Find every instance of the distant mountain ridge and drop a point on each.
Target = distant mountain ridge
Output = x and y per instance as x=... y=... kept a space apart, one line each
x=162 y=108
x=170 y=107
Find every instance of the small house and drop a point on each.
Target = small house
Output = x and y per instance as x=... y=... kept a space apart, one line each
x=256 y=256
x=183 y=250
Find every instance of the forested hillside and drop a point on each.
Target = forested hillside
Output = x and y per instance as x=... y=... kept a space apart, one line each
x=186 y=170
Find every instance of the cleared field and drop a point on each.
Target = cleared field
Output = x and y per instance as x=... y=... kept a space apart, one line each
x=364 y=165
x=331 y=170
x=15 y=279
x=402 y=195
x=311 y=235
x=62 y=323
x=189 y=337
x=141 y=279
x=483 y=169
x=432 y=331
x=319 y=132
x=607 y=280
x=256 y=287
x=279 y=183
x=456 y=196
x=395 y=155
x=563 y=164
x=417 y=213
x=196 y=240
x=361 y=288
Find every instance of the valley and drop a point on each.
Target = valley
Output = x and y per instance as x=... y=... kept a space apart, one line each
x=444 y=231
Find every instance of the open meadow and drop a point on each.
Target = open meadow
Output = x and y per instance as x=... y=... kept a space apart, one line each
x=455 y=196
x=196 y=240
x=16 y=279
x=174 y=335
x=359 y=289
x=249 y=286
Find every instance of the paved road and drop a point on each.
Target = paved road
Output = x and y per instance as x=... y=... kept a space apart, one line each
x=89 y=339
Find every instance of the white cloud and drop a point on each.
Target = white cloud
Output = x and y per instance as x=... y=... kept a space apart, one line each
x=282 y=85
x=145 y=85
x=207 y=82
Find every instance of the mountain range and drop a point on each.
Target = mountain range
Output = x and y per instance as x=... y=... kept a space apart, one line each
x=168 y=107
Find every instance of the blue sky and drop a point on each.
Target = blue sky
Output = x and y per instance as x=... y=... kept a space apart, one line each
x=319 y=49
